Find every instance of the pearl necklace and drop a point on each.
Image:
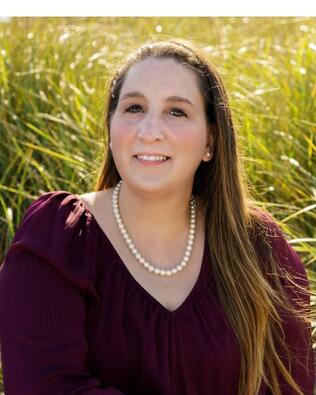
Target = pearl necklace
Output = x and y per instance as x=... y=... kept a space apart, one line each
x=151 y=268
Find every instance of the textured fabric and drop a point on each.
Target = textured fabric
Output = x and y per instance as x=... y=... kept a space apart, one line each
x=73 y=320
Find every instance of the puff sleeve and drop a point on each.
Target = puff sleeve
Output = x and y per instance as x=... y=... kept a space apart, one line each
x=45 y=280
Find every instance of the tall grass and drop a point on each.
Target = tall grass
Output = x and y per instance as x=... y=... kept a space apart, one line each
x=53 y=76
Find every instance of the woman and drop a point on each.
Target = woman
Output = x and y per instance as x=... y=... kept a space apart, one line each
x=167 y=279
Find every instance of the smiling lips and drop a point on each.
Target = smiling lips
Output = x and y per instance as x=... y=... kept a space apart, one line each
x=151 y=160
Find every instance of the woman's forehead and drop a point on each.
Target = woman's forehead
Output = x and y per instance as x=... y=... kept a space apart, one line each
x=154 y=65
x=167 y=75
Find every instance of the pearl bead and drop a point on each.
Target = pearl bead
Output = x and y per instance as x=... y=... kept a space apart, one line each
x=135 y=252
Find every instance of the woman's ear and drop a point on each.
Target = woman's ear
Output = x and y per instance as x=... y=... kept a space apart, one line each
x=209 y=149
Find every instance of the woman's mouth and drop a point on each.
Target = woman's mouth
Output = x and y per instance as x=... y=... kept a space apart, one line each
x=150 y=161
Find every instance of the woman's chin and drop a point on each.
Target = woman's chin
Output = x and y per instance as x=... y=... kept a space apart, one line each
x=149 y=186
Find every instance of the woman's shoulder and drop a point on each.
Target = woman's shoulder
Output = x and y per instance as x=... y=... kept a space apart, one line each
x=269 y=238
x=57 y=227
x=48 y=212
x=95 y=201
x=264 y=226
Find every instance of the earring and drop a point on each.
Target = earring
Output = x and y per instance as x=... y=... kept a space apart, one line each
x=208 y=154
x=110 y=145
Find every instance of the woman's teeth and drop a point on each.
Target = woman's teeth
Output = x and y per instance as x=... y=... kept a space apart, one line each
x=151 y=158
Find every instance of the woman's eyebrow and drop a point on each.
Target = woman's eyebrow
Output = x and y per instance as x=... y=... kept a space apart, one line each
x=170 y=98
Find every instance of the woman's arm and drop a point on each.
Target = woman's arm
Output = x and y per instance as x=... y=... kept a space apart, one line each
x=42 y=331
x=299 y=342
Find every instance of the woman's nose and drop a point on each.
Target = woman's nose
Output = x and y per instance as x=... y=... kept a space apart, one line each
x=150 y=127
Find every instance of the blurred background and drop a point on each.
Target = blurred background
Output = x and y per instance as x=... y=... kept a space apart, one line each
x=53 y=80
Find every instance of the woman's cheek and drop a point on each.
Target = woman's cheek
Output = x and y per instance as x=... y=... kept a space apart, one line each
x=188 y=138
x=120 y=131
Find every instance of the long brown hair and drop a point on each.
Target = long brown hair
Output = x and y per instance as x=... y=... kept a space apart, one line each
x=240 y=236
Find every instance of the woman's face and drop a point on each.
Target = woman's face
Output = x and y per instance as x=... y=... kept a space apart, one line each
x=160 y=111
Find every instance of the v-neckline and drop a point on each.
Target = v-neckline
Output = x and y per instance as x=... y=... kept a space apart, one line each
x=133 y=280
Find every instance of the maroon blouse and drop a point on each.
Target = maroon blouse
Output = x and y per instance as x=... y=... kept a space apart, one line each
x=73 y=320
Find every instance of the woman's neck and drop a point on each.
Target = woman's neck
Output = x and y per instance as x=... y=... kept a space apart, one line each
x=163 y=218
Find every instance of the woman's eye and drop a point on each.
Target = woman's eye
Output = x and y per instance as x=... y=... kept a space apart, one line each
x=178 y=110
x=136 y=106
x=133 y=106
